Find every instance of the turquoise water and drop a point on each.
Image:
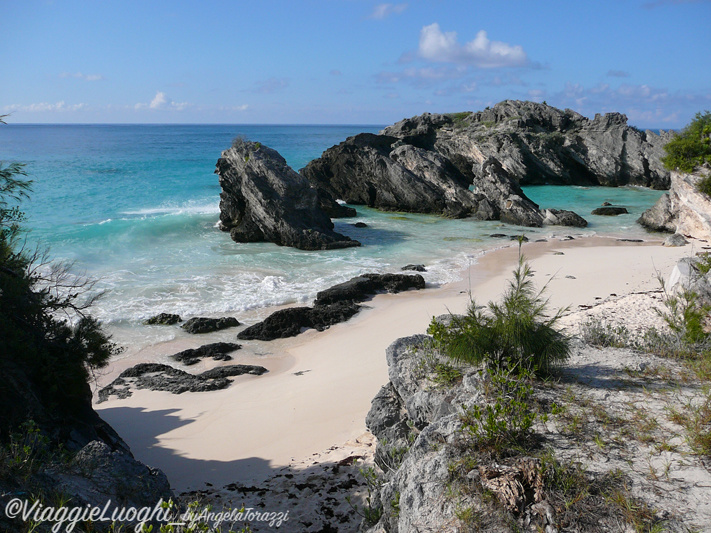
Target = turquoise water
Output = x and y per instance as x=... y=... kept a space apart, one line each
x=136 y=207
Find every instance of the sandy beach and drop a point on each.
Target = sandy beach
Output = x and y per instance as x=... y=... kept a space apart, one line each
x=320 y=384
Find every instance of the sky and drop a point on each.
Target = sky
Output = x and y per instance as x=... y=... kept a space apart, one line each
x=349 y=61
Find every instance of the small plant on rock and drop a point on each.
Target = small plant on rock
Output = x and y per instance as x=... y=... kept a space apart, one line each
x=514 y=335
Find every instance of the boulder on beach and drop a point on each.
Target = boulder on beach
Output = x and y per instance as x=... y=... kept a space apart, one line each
x=218 y=351
x=163 y=319
x=263 y=199
x=208 y=325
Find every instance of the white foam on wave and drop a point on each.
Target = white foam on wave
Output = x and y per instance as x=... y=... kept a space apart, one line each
x=188 y=209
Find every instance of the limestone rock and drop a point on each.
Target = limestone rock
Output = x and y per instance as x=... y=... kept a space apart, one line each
x=563 y=217
x=263 y=199
x=677 y=239
x=683 y=209
x=217 y=350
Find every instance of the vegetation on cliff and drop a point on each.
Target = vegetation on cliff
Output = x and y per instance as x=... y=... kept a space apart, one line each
x=691 y=148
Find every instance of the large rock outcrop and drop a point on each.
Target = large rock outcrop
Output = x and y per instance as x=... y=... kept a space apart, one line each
x=263 y=199
x=472 y=164
x=683 y=209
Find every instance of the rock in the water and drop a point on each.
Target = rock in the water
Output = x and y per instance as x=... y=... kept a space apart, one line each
x=163 y=319
x=217 y=350
x=610 y=211
x=360 y=225
x=263 y=199
x=562 y=217
x=416 y=268
x=156 y=376
x=683 y=209
x=677 y=239
x=290 y=322
x=208 y=325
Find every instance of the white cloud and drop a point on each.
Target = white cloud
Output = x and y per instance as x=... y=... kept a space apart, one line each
x=443 y=47
x=44 y=107
x=81 y=76
x=382 y=11
x=161 y=101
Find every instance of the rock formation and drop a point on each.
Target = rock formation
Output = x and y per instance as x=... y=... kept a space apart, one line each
x=263 y=199
x=332 y=306
x=472 y=164
x=157 y=376
x=683 y=209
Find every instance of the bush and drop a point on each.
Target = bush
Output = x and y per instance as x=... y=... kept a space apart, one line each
x=514 y=335
x=691 y=148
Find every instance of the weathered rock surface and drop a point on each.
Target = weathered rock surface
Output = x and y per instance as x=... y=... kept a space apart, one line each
x=683 y=209
x=563 y=217
x=360 y=288
x=292 y=321
x=217 y=350
x=429 y=163
x=332 y=306
x=417 y=268
x=163 y=319
x=198 y=324
x=156 y=376
x=263 y=199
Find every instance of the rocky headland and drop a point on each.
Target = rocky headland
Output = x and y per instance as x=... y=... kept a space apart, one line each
x=473 y=164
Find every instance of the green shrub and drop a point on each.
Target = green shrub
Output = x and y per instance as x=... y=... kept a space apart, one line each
x=506 y=419
x=515 y=335
x=691 y=147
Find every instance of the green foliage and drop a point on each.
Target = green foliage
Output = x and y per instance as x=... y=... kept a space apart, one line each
x=373 y=509
x=515 y=335
x=45 y=331
x=506 y=419
x=24 y=453
x=691 y=147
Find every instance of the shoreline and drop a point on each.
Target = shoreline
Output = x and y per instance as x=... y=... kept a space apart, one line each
x=321 y=384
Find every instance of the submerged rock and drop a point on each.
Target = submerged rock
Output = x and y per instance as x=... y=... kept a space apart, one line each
x=416 y=268
x=263 y=199
x=609 y=211
x=163 y=319
x=207 y=325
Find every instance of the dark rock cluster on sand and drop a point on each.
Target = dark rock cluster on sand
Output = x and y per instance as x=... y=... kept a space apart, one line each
x=156 y=376
x=333 y=305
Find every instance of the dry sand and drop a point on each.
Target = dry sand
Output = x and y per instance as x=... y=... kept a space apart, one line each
x=320 y=384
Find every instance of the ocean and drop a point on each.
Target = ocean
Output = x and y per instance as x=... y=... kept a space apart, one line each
x=135 y=207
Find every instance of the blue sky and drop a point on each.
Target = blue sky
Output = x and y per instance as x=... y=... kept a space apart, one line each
x=349 y=61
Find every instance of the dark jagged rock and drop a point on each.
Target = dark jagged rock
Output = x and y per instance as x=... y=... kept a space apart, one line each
x=217 y=350
x=562 y=217
x=427 y=163
x=208 y=325
x=416 y=268
x=371 y=170
x=263 y=199
x=332 y=306
x=539 y=144
x=157 y=376
x=609 y=211
x=361 y=287
x=360 y=225
x=290 y=322
x=163 y=319
x=504 y=193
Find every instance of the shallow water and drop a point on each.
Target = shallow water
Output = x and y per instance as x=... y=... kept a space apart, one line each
x=136 y=207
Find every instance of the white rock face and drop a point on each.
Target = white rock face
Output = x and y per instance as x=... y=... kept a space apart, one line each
x=683 y=209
